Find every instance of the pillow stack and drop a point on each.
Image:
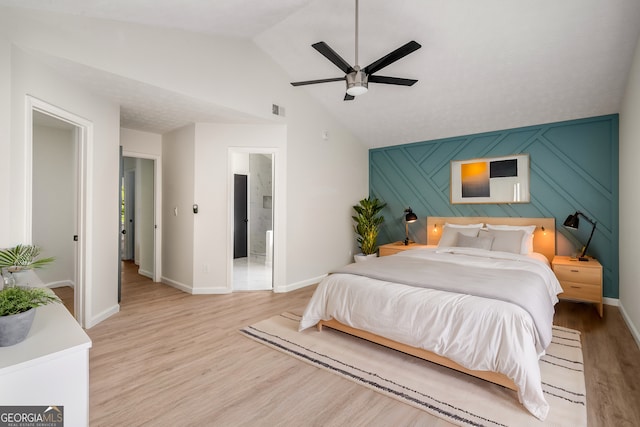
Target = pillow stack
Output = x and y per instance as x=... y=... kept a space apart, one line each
x=517 y=239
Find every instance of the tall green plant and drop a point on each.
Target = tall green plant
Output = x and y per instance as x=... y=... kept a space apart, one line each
x=367 y=224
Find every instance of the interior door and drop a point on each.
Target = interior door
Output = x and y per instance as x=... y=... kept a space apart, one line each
x=240 y=216
x=129 y=214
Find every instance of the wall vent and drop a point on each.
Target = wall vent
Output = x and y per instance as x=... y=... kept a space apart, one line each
x=278 y=110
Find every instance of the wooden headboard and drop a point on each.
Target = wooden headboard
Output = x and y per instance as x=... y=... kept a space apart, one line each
x=544 y=237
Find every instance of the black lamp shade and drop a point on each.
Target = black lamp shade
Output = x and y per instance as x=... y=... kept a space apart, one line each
x=572 y=221
x=410 y=216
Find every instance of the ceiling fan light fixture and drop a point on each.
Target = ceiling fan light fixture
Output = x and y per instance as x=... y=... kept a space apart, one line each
x=357 y=83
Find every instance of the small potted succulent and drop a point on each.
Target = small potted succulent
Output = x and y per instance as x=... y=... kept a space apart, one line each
x=17 y=309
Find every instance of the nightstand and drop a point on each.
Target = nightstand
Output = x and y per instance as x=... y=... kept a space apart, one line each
x=580 y=280
x=395 y=247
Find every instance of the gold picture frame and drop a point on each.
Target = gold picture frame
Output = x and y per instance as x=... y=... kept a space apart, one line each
x=490 y=180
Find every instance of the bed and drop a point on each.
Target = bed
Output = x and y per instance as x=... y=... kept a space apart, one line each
x=484 y=312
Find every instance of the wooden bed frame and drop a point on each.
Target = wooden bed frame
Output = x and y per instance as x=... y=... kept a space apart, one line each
x=544 y=242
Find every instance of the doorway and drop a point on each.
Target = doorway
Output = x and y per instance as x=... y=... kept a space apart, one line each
x=57 y=149
x=54 y=201
x=240 y=216
x=253 y=215
x=138 y=215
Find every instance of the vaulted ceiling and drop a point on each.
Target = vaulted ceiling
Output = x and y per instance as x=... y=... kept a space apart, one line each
x=484 y=65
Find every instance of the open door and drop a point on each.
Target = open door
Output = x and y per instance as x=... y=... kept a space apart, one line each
x=240 y=216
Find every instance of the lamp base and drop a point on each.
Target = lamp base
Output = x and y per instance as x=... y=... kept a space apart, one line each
x=583 y=258
x=406 y=241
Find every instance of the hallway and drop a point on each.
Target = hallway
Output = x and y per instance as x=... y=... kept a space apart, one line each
x=131 y=281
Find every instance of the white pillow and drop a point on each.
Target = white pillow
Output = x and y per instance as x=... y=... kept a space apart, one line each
x=446 y=224
x=480 y=242
x=527 y=238
x=506 y=240
x=450 y=234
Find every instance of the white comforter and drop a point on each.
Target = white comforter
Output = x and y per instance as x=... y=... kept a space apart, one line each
x=476 y=332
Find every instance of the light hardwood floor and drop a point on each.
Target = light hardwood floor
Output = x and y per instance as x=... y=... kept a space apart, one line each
x=170 y=359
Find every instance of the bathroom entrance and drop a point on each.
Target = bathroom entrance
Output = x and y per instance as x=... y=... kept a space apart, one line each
x=253 y=221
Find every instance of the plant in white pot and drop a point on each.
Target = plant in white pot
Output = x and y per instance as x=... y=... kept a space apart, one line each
x=367 y=226
x=17 y=310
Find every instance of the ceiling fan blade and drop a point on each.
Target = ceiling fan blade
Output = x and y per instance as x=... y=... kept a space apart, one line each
x=348 y=97
x=391 y=80
x=312 y=82
x=332 y=56
x=392 y=57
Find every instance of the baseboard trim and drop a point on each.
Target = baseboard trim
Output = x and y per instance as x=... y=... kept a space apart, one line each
x=175 y=284
x=60 y=284
x=145 y=273
x=611 y=301
x=299 y=285
x=632 y=328
x=102 y=316
x=194 y=290
x=210 y=291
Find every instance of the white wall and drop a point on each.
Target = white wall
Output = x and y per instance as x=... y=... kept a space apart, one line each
x=143 y=143
x=54 y=202
x=214 y=176
x=177 y=199
x=630 y=198
x=145 y=216
x=260 y=210
x=31 y=77
x=322 y=179
x=5 y=137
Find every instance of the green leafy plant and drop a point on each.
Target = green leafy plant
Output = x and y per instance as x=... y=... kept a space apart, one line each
x=20 y=299
x=23 y=257
x=367 y=224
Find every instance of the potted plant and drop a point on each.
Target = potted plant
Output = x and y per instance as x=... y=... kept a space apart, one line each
x=367 y=225
x=17 y=310
x=22 y=257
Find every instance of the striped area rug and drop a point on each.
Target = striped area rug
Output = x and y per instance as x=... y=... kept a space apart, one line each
x=455 y=397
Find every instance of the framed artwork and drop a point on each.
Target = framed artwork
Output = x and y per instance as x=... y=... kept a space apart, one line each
x=490 y=180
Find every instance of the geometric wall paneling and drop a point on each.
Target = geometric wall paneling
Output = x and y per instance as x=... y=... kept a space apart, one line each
x=573 y=165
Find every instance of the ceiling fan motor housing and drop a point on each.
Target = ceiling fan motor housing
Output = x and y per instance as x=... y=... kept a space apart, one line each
x=357 y=82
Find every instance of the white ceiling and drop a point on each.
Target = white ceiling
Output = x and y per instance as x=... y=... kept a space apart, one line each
x=484 y=65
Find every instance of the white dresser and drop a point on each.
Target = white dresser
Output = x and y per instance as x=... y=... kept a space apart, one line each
x=51 y=366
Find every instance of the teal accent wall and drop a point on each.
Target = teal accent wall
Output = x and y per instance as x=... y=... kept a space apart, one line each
x=573 y=166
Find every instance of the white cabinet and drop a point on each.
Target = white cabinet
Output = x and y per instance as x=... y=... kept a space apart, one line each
x=50 y=367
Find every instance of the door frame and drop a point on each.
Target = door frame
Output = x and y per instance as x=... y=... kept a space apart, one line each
x=278 y=214
x=84 y=135
x=157 y=208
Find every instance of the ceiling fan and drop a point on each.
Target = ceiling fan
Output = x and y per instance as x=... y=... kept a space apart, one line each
x=357 y=78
